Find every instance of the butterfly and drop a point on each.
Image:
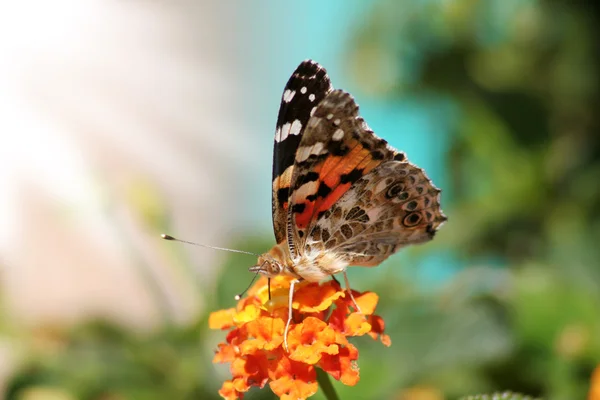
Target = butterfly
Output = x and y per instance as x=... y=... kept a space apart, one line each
x=341 y=195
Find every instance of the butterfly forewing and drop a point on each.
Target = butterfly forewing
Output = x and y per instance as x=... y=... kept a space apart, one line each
x=306 y=88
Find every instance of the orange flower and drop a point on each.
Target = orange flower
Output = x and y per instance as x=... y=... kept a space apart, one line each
x=595 y=385
x=324 y=316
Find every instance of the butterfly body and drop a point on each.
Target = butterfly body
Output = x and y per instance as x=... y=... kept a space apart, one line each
x=313 y=266
x=341 y=195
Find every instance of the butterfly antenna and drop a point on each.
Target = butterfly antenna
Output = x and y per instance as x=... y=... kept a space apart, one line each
x=168 y=237
x=239 y=296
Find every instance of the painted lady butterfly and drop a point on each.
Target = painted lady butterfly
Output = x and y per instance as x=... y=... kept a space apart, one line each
x=341 y=195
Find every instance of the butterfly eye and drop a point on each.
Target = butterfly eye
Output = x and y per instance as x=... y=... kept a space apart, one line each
x=275 y=268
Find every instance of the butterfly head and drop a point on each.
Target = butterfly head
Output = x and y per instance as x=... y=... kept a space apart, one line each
x=267 y=265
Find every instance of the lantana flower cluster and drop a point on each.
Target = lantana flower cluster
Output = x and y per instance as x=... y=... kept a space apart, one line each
x=324 y=317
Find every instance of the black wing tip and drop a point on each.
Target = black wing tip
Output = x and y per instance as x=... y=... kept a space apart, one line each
x=310 y=62
x=310 y=68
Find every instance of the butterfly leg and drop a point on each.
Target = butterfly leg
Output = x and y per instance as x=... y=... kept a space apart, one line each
x=350 y=292
x=335 y=279
x=289 y=320
x=269 y=287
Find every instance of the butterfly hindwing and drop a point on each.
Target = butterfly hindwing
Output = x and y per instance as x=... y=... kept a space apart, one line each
x=306 y=88
x=394 y=205
x=336 y=150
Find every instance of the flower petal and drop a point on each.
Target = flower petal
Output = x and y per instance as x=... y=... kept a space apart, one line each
x=377 y=327
x=367 y=302
x=228 y=391
x=294 y=380
x=279 y=286
x=249 y=313
x=226 y=353
x=288 y=388
x=240 y=384
x=343 y=365
x=310 y=339
x=222 y=319
x=314 y=297
x=266 y=334
x=252 y=370
x=356 y=324
x=594 y=393
x=237 y=336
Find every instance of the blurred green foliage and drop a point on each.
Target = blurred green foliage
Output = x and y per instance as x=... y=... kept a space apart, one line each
x=499 y=396
x=524 y=190
x=524 y=169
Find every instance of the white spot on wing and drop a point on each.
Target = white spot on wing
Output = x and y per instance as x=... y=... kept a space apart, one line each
x=288 y=95
x=306 y=190
x=338 y=135
x=296 y=127
x=303 y=89
x=285 y=130
x=374 y=213
x=336 y=121
x=317 y=148
x=314 y=121
x=288 y=129
x=381 y=186
x=311 y=97
x=302 y=154
x=329 y=116
x=306 y=151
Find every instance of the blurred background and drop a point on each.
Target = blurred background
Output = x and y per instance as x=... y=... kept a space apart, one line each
x=121 y=120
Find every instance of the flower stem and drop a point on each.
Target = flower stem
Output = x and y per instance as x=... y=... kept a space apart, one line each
x=325 y=384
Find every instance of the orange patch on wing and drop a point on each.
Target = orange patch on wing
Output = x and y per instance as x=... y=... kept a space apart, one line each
x=330 y=172
x=328 y=201
x=303 y=218
x=333 y=169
